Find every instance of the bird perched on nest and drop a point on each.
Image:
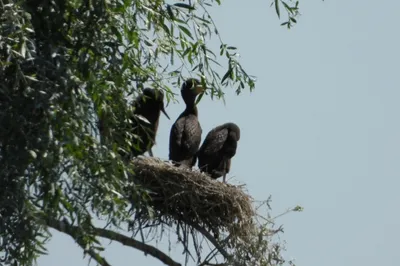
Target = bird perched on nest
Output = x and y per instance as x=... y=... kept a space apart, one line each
x=148 y=105
x=185 y=135
x=217 y=150
x=146 y=114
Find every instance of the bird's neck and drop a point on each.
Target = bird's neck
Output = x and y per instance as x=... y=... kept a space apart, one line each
x=191 y=109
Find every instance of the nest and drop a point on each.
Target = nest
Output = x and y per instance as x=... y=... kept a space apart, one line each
x=192 y=197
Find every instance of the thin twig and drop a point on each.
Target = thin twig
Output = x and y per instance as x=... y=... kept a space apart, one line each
x=213 y=241
x=209 y=257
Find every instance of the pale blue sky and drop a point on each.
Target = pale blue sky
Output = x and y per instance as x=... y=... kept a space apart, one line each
x=320 y=130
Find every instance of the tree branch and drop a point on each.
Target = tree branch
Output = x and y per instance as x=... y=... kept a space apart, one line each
x=73 y=231
x=216 y=244
x=65 y=227
x=213 y=241
x=127 y=241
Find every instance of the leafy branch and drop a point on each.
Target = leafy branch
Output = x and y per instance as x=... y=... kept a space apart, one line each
x=292 y=9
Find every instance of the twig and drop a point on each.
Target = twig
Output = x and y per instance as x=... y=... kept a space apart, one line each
x=209 y=257
x=184 y=241
x=213 y=241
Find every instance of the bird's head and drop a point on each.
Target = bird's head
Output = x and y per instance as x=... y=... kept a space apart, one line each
x=234 y=130
x=155 y=97
x=190 y=89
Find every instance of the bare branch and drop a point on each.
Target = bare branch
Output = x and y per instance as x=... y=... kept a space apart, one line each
x=211 y=264
x=209 y=257
x=212 y=239
x=65 y=227
x=73 y=231
x=127 y=241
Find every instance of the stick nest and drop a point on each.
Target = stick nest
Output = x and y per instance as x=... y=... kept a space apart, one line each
x=193 y=198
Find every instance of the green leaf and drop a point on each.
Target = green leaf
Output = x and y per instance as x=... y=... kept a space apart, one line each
x=117 y=33
x=182 y=5
x=23 y=49
x=170 y=13
x=227 y=75
x=166 y=29
x=33 y=154
x=222 y=49
x=199 y=98
x=288 y=8
x=186 y=31
x=31 y=78
x=203 y=20
x=298 y=208
x=277 y=8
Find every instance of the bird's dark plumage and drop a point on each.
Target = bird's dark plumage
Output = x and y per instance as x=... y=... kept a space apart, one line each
x=148 y=105
x=217 y=150
x=185 y=136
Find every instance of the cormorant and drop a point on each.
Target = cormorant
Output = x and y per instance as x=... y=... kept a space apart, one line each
x=217 y=150
x=148 y=105
x=185 y=136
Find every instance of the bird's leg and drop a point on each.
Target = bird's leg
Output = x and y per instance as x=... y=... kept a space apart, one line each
x=151 y=153
x=224 y=178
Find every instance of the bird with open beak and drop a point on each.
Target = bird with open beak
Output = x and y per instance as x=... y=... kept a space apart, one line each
x=185 y=135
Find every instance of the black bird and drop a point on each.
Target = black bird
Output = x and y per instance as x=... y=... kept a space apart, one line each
x=147 y=105
x=217 y=150
x=185 y=136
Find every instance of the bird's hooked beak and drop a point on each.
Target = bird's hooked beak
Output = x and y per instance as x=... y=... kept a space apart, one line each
x=199 y=88
x=165 y=113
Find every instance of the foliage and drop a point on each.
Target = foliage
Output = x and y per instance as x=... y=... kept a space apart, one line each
x=291 y=9
x=63 y=65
